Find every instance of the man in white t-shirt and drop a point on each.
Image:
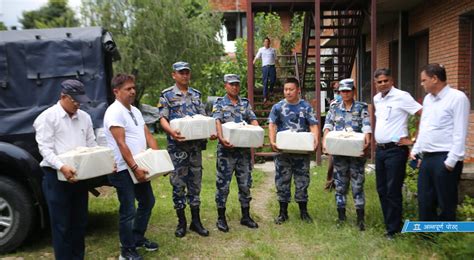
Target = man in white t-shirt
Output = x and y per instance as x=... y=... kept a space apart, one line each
x=127 y=134
x=268 y=56
x=392 y=108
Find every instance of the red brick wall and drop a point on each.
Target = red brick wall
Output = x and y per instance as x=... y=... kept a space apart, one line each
x=229 y=5
x=447 y=36
x=385 y=34
x=449 y=44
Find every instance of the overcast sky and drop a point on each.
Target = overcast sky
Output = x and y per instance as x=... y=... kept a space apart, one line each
x=11 y=10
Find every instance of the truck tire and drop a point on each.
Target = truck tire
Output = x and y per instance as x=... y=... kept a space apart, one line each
x=16 y=214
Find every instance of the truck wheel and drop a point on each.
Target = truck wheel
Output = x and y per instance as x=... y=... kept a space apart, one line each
x=16 y=214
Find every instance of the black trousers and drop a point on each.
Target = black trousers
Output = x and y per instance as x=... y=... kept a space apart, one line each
x=390 y=170
x=67 y=205
x=438 y=188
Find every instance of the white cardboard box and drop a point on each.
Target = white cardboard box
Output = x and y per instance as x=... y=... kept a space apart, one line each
x=89 y=162
x=295 y=142
x=156 y=162
x=195 y=127
x=243 y=135
x=345 y=143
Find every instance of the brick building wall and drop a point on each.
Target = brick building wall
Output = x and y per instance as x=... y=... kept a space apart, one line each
x=449 y=44
x=228 y=5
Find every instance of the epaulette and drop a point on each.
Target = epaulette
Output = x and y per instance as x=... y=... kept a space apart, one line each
x=167 y=89
x=195 y=90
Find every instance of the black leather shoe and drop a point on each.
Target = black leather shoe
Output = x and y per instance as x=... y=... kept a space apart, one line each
x=181 y=227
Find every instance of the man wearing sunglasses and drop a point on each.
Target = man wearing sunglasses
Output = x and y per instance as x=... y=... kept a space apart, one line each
x=232 y=108
x=353 y=116
x=179 y=101
x=127 y=135
x=60 y=129
x=392 y=108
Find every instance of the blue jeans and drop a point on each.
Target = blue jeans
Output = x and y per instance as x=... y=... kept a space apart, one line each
x=67 y=205
x=269 y=74
x=390 y=170
x=133 y=222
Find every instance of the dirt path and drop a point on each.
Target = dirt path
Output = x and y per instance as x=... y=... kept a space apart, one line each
x=264 y=192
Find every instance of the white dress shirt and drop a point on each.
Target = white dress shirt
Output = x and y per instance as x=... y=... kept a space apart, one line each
x=57 y=133
x=268 y=56
x=443 y=125
x=118 y=115
x=392 y=113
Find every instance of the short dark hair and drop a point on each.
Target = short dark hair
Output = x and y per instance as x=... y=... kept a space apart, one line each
x=293 y=80
x=266 y=38
x=383 y=71
x=435 y=69
x=119 y=79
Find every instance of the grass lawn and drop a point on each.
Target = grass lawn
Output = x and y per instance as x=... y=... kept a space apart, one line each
x=292 y=240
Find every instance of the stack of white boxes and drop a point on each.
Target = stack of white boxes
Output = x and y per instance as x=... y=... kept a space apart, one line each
x=156 y=162
x=345 y=143
x=195 y=127
x=243 y=135
x=89 y=162
x=295 y=142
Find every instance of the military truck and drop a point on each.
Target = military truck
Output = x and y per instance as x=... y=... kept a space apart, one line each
x=33 y=63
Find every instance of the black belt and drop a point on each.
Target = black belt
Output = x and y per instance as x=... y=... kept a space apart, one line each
x=428 y=154
x=273 y=65
x=387 y=145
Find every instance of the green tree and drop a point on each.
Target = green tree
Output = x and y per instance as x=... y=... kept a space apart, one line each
x=55 y=13
x=3 y=27
x=152 y=35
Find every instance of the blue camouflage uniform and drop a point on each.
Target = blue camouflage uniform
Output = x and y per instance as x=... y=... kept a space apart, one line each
x=233 y=159
x=298 y=117
x=345 y=167
x=186 y=156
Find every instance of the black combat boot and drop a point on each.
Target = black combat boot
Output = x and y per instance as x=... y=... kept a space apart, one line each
x=221 y=221
x=341 y=215
x=283 y=216
x=181 y=227
x=360 y=219
x=196 y=224
x=304 y=212
x=246 y=219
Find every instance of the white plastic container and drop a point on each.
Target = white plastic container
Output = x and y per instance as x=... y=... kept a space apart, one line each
x=295 y=142
x=243 y=135
x=195 y=127
x=89 y=162
x=156 y=162
x=345 y=143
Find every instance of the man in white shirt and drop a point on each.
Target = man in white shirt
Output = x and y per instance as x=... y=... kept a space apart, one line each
x=392 y=108
x=441 y=143
x=60 y=129
x=268 y=56
x=127 y=135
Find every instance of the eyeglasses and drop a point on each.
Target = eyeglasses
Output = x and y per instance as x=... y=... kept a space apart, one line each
x=133 y=117
x=345 y=91
x=72 y=100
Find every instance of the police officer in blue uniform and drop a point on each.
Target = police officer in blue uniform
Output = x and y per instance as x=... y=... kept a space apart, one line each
x=179 y=101
x=349 y=115
x=292 y=113
x=232 y=108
